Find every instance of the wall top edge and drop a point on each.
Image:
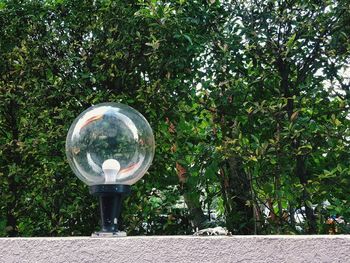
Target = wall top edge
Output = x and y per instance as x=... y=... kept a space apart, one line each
x=347 y=237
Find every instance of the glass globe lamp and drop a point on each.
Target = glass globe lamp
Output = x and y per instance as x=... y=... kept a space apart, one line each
x=109 y=147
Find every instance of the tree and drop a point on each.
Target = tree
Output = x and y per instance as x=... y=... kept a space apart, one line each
x=276 y=112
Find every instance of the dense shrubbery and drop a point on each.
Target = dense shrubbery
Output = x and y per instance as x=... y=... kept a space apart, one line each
x=248 y=101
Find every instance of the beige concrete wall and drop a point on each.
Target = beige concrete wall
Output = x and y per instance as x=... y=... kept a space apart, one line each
x=177 y=249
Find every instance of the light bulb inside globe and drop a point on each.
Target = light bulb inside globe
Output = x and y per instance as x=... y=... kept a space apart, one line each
x=105 y=132
x=110 y=168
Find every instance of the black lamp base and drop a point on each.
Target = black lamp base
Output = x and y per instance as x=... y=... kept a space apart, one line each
x=109 y=234
x=110 y=199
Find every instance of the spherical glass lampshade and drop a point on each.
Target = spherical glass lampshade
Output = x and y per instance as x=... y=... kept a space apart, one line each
x=110 y=143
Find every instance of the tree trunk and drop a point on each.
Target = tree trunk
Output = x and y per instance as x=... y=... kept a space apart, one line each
x=15 y=158
x=236 y=188
x=301 y=173
x=197 y=217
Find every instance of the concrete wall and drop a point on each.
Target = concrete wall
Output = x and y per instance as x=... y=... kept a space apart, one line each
x=177 y=249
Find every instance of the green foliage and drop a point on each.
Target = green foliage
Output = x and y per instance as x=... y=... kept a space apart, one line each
x=248 y=102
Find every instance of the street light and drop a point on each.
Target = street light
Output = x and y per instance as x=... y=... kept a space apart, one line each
x=109 y=147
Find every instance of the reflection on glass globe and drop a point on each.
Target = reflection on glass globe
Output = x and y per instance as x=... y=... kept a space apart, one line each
x=110 y=143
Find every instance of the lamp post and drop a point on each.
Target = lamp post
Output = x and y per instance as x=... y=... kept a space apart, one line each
x=109 y=147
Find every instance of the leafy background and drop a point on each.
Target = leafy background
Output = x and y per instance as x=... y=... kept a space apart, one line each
x=248 y=100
